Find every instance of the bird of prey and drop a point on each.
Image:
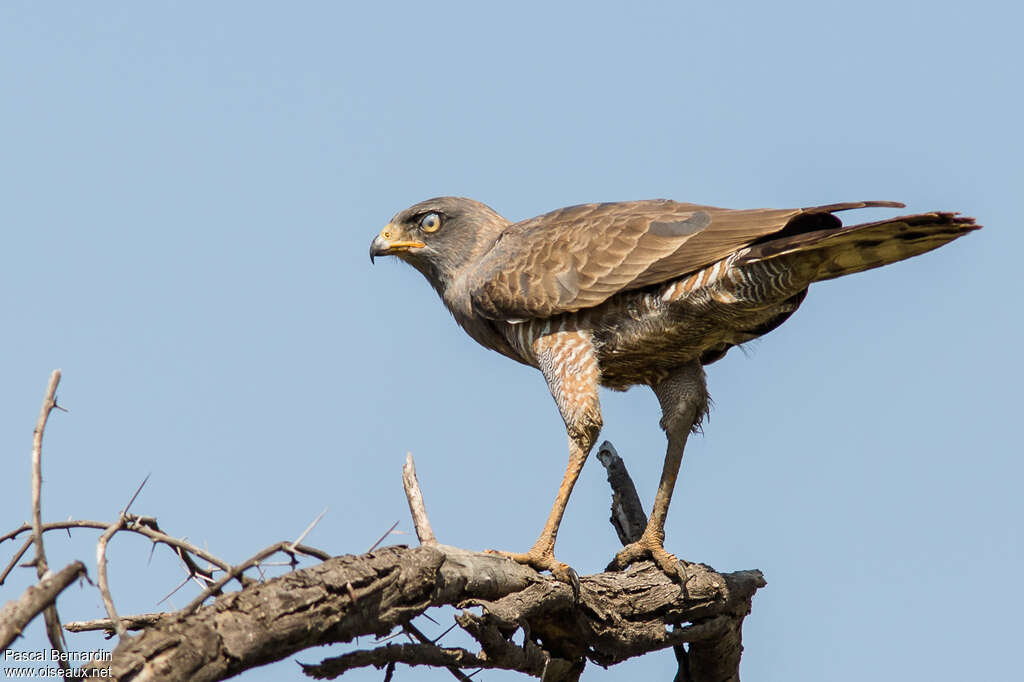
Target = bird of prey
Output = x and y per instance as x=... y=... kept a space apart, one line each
x=640 y=292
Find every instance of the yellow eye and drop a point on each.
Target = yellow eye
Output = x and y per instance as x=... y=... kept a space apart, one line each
x=430 y=222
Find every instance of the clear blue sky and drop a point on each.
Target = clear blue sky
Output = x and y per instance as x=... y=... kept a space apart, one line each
x=188 y=192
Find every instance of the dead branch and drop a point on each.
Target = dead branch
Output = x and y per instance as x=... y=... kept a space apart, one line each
x=610 y=618
x=137 y=622
x=142 y=525
x=712 y=658
x=236 y=571
x=628 y=517
x=417 y=509
x=101 y=567
x=50 y=615
x=15 y=615
x=619 y=615
x=409 y=654
x=15 y=559
x=411 y=629
x=148 y=526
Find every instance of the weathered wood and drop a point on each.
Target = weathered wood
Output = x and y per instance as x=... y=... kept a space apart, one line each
x=15 y=615
x=619 y=615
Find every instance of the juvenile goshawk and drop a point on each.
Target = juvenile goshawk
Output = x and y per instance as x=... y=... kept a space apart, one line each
x=642 y=292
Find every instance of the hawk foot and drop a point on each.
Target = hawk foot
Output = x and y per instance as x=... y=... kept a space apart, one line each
x=647 y=548
x=545 y=561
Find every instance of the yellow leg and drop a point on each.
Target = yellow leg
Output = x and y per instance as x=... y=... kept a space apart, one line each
x=569 y=365
x=541 y=556
x=683 y=398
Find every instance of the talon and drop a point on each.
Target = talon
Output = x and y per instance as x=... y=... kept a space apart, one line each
x=574 y=583
x=646 y=548
x=545 y=561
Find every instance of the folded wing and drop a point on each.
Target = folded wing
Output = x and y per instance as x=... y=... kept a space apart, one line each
x=579 y=257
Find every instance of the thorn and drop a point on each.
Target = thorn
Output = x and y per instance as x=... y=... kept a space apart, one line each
x=180 y=585
x=389 y=637
x=137 y=491
x=438 y=638
x=574 y=583
x=302 y=537
x=383 y=537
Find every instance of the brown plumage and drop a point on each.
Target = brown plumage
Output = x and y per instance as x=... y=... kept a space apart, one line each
x=642 y=292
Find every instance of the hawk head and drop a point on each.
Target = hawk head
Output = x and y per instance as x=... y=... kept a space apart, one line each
x=439 y=237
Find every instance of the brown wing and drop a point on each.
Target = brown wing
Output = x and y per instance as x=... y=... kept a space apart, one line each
x=579 y=257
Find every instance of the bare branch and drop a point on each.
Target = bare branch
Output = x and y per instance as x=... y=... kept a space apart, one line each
x=619 y=615
x=15 y=615
x=529 y=658
x=628 y=515
x=417 y=509
x=423 y=639
x=49 y=400
x=709 y=658
x=15 y=559
x=409 y=654
x=136 y=622
x=50 y=615
x=609 y=618
x=101 y=567
x=147 y=526
x=143 y=525
x=236 y=571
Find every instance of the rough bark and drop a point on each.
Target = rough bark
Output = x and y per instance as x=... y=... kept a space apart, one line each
x=619 y=615
x=15 y=615
x=606 y=618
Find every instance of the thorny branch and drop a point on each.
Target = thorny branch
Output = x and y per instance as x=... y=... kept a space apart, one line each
x=616 y=615
x=546 y=611
x=42 y=596
x=620 y=615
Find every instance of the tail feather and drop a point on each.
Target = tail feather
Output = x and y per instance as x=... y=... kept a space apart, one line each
x=835 y=252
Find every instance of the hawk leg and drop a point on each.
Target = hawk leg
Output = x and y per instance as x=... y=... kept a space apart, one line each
x=569 y=365
x=684 y=399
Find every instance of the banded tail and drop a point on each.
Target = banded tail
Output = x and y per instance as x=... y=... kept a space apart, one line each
x=846 y=250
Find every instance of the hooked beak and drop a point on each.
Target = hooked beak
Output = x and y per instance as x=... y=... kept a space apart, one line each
x=384 y=243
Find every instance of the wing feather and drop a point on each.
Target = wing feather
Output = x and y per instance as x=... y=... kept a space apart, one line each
x=580 y=256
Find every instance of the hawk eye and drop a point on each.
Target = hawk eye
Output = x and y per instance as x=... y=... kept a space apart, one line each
x=430 y=222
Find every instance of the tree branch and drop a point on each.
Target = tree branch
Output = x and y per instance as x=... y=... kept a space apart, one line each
x=410 y=654
x=101 y=567
x=50 y=614
x=713 y=658
x=136 y=622
x=417 y=509
x=619 y=615
x=15 y=615
x=613 y=616
x=628 y=517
